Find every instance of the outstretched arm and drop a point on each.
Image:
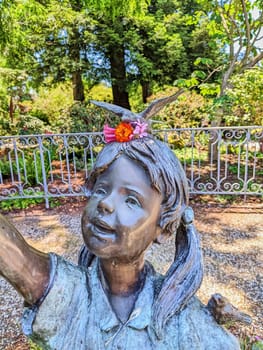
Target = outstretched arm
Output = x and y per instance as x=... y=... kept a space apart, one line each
x=26 y=268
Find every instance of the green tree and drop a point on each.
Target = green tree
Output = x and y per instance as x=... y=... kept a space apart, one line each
x=49 y=39
x=241 y=26
x=148 y=46
x=237 y=26
x=114 y=34
x=233 y=29
x=14 y=86
x=158 y=52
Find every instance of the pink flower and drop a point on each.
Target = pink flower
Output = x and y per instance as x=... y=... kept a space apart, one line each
x=139 y=129
x=109 y=133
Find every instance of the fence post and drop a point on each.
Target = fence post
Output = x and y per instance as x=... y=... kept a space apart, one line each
x=42 y=159
x=20 y=186
x=245 y=187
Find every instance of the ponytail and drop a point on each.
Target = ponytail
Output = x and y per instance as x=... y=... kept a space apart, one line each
x=184 y=276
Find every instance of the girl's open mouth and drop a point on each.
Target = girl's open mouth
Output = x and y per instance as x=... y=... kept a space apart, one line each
x=102 y=231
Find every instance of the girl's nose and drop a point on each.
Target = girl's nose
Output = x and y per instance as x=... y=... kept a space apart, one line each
x=105 y=206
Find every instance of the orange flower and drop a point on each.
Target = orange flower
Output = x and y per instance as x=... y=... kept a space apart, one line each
x=123 y=132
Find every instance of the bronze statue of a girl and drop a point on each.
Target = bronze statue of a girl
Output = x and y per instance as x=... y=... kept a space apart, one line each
x=113 y=299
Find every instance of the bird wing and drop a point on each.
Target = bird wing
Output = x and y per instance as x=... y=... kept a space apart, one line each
x=159 y=104
x=122 y=112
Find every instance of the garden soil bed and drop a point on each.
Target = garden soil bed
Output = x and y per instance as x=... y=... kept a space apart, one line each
x=232 y=242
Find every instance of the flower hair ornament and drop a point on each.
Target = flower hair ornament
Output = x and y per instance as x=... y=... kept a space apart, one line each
x=125 y=131
x=133 y=125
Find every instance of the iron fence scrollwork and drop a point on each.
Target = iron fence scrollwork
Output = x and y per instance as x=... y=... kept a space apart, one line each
x=216 y=160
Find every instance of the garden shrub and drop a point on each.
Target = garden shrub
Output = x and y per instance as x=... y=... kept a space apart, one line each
x=86 y=117
x=189 y=110
x=28 y=125
x=51 y=106
x=100 y=92
x=246 y=96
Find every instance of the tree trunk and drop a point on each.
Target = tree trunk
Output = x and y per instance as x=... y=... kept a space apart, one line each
x=146 y=90
x=11 y=109
x=118 y=77
x=78 y=87
x=74 y=53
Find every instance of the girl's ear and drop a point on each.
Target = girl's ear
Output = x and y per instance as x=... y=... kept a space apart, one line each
x=161 y=237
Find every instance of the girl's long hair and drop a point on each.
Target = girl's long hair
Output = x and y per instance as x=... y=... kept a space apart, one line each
x=168 y=177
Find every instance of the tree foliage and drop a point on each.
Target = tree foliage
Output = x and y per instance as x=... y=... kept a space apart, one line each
x=118 y=8
x=125 y=42
x=237 y=26
x=131 y=45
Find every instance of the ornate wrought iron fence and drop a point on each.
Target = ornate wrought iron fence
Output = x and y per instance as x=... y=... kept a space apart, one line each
x=216 y=160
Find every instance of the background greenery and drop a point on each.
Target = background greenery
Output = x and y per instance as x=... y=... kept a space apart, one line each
x=57 y=55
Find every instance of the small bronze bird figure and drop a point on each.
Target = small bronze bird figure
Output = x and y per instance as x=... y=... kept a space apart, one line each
x=150 y=111
x=224 y=312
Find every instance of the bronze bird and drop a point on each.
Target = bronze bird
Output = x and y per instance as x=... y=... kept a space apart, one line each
x=151 y=110
x=224 y=312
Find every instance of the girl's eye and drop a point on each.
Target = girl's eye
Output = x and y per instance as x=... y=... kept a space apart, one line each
x=133 y=201
x=99 y=190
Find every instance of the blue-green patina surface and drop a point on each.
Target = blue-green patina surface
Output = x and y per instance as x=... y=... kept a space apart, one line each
x=77 y=315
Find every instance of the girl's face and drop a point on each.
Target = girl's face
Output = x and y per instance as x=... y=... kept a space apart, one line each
x=121 y=218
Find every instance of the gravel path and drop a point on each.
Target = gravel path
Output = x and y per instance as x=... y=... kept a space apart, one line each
x=232 y=241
